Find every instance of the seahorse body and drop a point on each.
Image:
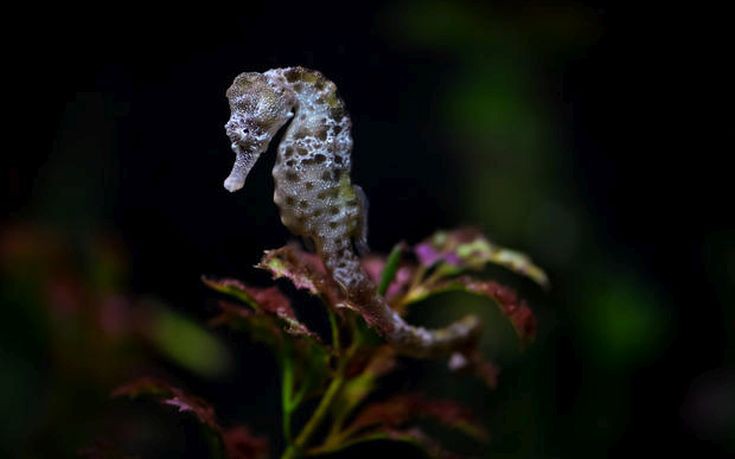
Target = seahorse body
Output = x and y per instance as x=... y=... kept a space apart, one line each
x=314 y=193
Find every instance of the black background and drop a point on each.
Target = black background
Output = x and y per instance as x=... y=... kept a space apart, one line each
x=147 y=85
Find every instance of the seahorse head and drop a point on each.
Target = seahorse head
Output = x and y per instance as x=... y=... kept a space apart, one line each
x=258 y=109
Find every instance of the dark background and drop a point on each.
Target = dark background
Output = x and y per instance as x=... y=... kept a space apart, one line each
x=581 y=133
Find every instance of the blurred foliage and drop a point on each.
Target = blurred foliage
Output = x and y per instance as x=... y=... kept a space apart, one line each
x=623 y=325
x=186 y=343
x=503 y=105
x=65 y=306
x=499 y=121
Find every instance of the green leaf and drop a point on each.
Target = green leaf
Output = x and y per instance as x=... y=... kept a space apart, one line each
x=467 y=249
x=414 y=437
x=382 y=361
x=398 y=278
x=233 y=288
x=187 y=343
x=390 y=268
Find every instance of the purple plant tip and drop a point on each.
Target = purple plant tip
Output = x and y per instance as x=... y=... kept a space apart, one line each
x=178 y=403
x=427 y=254
x=453 y=259
x=401 y=280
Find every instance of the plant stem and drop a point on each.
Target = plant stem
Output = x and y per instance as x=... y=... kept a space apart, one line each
x=296 y=447
x=335 y=330
x=287 y=394
x=294 y=450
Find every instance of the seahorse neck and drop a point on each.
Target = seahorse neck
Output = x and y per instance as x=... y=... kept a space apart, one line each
x=320 y=124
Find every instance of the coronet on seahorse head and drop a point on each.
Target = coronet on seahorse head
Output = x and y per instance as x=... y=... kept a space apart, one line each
x=259 y=108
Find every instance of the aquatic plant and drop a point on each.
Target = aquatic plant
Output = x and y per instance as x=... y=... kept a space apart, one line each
x=331 y=379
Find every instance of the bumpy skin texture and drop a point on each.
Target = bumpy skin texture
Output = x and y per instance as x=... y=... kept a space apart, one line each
x=315 y=195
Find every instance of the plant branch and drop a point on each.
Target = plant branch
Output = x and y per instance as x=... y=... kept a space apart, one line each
x=295 y=449
x=287 y=402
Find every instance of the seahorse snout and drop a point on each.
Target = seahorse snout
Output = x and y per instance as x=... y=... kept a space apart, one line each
x=244 y=160
x=234 y=183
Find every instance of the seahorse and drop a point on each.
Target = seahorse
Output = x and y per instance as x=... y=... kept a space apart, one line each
x=315 y=195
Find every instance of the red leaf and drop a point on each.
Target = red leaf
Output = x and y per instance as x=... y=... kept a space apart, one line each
x=375 y=362
x=304 y=270
x=511 y=305
x=418 y=438
x=170 y=395
x=230 y=313
x=474 y=363
x=397 y=411
x=143 y=386
x=268 y=301
x=103 y=449
x=240 y=443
